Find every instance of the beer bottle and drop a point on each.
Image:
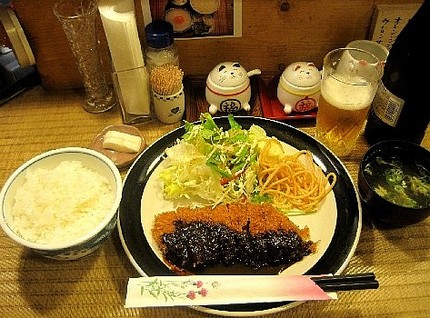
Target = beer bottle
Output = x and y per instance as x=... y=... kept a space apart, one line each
x=401 y=107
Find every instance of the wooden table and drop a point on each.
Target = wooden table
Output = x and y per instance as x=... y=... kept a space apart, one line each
x=95 y=286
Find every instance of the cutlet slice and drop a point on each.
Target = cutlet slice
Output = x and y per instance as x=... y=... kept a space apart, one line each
x=256 y=235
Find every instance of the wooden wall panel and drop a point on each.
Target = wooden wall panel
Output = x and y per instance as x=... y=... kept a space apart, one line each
x=271 y=39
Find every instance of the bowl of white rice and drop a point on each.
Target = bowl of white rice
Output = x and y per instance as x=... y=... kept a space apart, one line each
x=62 y=204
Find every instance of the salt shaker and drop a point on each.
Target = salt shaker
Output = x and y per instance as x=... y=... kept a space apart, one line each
x=160 y=46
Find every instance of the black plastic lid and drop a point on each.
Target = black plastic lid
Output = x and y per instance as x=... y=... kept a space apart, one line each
x=159 y=34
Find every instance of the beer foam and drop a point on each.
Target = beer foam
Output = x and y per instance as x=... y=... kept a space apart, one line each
x=344 y=95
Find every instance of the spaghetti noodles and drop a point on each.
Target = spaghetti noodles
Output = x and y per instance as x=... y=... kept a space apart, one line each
x=294 y=182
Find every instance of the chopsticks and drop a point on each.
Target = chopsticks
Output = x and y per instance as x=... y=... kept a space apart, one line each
x=346 y=282
x=239 y=289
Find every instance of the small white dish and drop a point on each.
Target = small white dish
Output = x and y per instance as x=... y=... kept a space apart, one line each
x=121 y=159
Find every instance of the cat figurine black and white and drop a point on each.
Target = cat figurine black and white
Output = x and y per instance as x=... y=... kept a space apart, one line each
x=228 y=88
x=299 y=87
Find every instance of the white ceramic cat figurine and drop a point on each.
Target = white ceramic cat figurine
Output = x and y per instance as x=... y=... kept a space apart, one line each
x=228 y=88
x=299 y=87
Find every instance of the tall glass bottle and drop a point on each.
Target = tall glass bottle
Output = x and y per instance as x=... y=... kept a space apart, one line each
x=401 y=109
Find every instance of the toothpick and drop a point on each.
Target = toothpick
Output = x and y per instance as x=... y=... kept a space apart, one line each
x=166 y=79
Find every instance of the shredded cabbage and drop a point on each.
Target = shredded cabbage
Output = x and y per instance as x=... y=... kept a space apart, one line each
x=213 y=164
x=187 y=174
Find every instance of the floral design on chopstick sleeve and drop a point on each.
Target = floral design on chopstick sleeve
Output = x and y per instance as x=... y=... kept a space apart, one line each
x=172 y=290
x=220 y=289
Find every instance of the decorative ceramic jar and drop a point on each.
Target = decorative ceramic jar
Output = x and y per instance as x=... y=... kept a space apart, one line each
x=299 y=87
x=228 y=88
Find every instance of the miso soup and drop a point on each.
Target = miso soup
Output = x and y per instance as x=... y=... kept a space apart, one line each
x=403 y=182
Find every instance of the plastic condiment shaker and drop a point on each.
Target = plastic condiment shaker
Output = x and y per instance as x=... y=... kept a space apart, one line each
x=160 y=45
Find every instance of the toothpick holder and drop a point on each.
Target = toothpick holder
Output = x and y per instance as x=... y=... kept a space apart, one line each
x=169 y=109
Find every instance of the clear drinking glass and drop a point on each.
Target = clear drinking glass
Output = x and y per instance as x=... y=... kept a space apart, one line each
x=78 y=19
x=132 y=89
x=350 y=78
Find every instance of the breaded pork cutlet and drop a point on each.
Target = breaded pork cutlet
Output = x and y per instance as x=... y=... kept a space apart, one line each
x=256 y=235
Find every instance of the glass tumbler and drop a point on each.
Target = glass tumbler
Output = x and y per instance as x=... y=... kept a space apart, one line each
x=78 y=19
x=350 y=78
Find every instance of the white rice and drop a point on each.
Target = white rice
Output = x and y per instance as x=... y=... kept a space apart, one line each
x=61 y=204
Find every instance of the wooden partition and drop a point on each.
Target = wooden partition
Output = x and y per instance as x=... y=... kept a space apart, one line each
x=274 y=34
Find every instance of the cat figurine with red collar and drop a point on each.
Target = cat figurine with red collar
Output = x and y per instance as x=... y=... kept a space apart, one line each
x=299 y=87
x=228 y=88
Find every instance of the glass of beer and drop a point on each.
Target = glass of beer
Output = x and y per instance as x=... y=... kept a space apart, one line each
x=350 y=77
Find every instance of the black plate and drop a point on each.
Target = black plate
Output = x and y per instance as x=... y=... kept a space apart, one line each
x=334 y=260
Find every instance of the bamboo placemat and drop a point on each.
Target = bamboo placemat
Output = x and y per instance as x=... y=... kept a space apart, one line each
x=95 y=286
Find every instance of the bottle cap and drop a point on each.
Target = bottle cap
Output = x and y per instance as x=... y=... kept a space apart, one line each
x=159 y=34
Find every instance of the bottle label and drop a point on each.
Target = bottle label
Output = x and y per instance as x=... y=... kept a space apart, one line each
x=387 y=106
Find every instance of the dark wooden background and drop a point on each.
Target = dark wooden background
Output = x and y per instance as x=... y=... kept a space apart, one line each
x=274 y=34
